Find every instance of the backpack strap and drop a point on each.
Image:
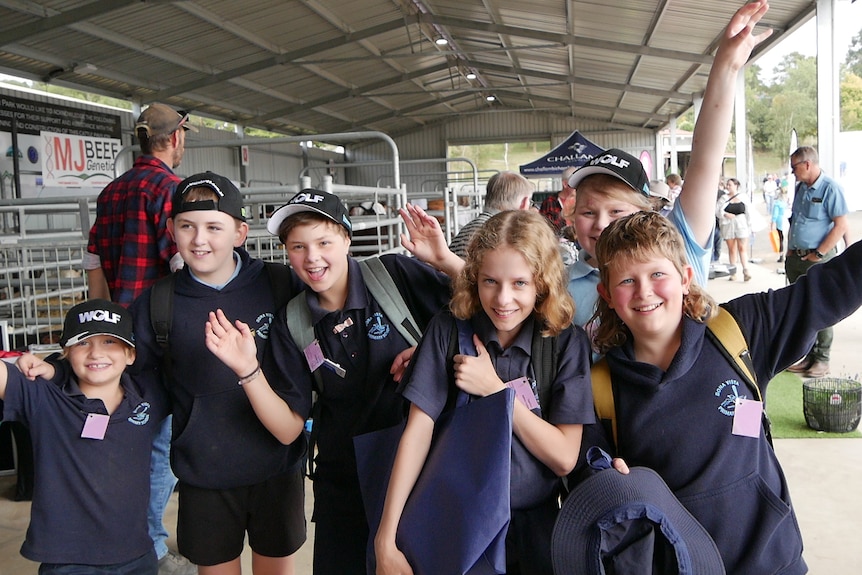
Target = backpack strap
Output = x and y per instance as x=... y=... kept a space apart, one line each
x=162 y=309
x=726 y=331
x=302 y=331
x=161 y=318
x=603 y=396
x=543 y=358
x=384 y=291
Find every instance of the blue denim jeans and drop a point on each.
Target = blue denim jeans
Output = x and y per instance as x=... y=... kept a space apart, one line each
x=162 y=483
x=146 y=564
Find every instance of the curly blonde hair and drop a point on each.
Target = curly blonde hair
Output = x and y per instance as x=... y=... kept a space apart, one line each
x=530 y=235
x=636 y=238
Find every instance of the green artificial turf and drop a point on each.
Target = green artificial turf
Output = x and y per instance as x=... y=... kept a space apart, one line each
x=784 y=407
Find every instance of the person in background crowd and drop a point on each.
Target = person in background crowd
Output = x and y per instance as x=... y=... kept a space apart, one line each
x=504 y=191
x=733 y=217
x=819 y=221
x=553 y=206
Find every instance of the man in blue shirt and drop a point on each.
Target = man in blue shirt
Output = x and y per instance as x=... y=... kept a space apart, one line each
x=818 y=222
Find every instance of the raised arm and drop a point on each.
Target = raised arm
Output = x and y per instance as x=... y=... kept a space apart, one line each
x=713 y=124
x=234 y=345
x=425 y=240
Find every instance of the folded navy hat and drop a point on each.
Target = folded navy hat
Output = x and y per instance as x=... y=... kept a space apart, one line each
x=229 y=197
x=611 y=519
x=618 y=164
x=315 y=201
x=97 y=317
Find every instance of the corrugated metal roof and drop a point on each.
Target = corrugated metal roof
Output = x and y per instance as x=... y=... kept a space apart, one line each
x=323 y=66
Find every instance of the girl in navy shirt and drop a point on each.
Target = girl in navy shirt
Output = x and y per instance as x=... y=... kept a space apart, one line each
x=513 y=281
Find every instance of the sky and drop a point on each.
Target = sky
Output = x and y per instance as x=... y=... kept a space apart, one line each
x=848 y=23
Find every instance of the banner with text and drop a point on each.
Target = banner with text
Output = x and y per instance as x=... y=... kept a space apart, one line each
x=70 y=161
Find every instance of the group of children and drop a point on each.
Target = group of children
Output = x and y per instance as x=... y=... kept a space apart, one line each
x=238 y=445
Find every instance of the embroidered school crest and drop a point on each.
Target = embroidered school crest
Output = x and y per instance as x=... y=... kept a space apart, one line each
x=728 y=392
x=376 y=328
x=141 y=414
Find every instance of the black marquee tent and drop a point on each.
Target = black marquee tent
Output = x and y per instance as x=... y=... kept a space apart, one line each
x=576 y=151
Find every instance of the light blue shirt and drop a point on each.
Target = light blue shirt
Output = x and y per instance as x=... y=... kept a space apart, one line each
x=814 y=209
x=583 y=278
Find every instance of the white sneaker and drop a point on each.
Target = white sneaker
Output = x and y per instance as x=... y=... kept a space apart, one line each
x=175 y=564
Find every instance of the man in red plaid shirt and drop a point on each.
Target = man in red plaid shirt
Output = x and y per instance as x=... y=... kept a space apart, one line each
x=129 y=247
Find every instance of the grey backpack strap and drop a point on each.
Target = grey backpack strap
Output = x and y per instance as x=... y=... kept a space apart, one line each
x=302 y=331
x=299 y=321
x=385 y=292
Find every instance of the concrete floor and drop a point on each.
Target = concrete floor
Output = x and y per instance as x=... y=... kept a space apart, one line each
x=823 y=474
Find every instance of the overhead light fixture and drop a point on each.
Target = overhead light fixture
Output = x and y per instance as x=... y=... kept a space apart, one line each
x=441 y=41
x=471 y=75
x=85 y=68
x=490 y=98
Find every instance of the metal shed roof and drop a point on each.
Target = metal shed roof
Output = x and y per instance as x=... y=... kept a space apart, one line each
x=326 y=66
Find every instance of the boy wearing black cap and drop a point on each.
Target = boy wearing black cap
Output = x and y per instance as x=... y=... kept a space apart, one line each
x=93 y=431
x=614 y=184
x=234 y=447
x=360 y=344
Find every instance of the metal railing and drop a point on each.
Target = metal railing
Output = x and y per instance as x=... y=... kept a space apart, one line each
x=41 y=276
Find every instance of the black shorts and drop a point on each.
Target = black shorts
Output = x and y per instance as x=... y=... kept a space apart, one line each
x=211 y=523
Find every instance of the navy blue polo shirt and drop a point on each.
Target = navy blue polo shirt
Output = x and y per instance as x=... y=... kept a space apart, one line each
x=571 y=397
x=363 y=341
x=90 y=496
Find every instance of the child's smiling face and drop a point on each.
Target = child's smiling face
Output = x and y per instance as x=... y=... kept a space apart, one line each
x=507 y=291
x=647 y=294
x=205 y=240
x=318 y=254
x=595 y=211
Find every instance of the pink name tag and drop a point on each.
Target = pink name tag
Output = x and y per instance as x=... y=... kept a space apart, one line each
x=314 y=355
x=747 y=415
x=524 y=392
x=95 y=426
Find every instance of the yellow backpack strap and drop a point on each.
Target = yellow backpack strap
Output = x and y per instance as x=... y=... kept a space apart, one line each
x=726 y=330
x=603 y=395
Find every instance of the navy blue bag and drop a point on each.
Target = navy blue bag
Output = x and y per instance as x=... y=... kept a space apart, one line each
x=457 y=516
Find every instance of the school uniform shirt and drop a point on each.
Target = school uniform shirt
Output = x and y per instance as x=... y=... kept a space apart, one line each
x=90 y=496
x=679 y=422
x=364 y=342
x=583 y=278
x=217 y=440
x=571 y=399
x=814 y=209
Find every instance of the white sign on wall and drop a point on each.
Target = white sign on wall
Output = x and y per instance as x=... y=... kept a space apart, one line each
x=71 y=161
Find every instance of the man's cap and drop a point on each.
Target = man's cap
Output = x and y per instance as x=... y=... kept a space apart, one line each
x=315 y=201
x=97 y=317
x=618 y=164
x=159 y=119
x=229 y=198
x=659 y=189
x=608 y=506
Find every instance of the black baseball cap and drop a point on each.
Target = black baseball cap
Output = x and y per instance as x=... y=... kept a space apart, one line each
x=310 y=200
x=618 y=164
x=229 y=202
x=97 y=317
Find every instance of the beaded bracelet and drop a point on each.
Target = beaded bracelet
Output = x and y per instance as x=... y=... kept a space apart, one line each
x=250 y=377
